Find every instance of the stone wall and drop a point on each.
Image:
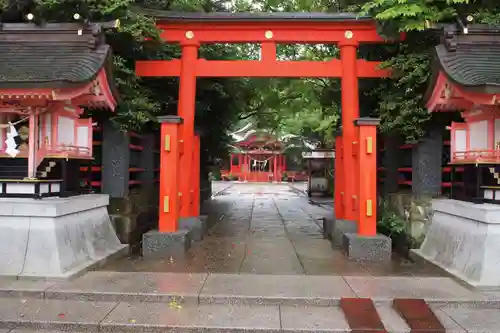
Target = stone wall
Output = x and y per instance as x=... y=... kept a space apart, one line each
x=416 y=212
x=413 y=204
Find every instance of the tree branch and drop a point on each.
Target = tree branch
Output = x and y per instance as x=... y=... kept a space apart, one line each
x=254 y=113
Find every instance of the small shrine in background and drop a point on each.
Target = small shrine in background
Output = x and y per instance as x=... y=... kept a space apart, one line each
x=463 y=234
x=257 y=157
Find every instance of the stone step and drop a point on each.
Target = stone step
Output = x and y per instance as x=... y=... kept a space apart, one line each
x=351 y=315
x=202 y=288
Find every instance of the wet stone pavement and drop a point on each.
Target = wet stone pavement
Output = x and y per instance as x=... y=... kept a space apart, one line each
x=266 y=229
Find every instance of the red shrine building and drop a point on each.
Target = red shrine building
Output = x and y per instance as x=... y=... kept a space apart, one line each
x=49 y=75
x=464 y=80
x=462 y=236
x=258 y=157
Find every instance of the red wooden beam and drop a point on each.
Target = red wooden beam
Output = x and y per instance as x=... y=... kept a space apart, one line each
x=281 y=33
x=255 y=68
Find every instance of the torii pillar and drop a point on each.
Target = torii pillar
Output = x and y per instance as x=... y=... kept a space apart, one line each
x=189 y=189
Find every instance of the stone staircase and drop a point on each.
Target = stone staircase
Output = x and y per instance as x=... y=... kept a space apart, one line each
x=170 y=302
x=47 y=168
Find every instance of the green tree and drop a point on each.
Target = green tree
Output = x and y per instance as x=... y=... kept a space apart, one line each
x=400 y=100
x=142 y=99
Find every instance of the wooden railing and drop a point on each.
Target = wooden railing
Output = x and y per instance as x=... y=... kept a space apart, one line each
x=476 y=156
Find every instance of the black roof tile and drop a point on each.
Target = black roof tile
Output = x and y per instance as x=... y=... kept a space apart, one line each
x=470 y=60
x=252 y=16
x=51 y=56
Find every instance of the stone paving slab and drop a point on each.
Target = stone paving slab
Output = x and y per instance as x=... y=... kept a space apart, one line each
x=248 y=288
x=28 y=330
x=473 y=320
x=429 y=288
x=116 y=286
x=157 y=317
x=274 y=289
x=313 y=319
x=10 y=287
x=53 y=314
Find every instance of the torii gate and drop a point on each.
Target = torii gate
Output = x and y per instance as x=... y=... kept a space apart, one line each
x=355 y=165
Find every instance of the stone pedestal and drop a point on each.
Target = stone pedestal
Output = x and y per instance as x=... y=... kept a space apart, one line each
x=464 y=240
x=328 y=223
x=55 y=237
x=195 y=225
x=376 y=248
x=339 y=228
x=164 y=245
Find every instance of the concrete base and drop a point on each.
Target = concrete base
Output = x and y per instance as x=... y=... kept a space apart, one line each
x=328 y=223
x=339 y=228
x=204 y=221
x=55 y=237
x=165 y=245
x=195 y=225
x=464 y=240
x=362 y=248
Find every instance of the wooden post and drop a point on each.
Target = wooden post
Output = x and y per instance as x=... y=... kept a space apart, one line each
x=339 y=178
x=367 y=168
x=247 y=166
x=230 y=162
x=32 y=145
x=350 y=112
x=278 y=168
x=169 y=173
x=275 y=168
x=186 y=110
x=196 y=176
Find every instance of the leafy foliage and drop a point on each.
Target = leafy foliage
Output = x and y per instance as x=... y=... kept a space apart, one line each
x=400 y=100
x=389 y=222
x=218 y=101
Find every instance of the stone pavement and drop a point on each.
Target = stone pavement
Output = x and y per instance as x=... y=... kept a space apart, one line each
x=267 y=229
x=159 y=302
x=288 y=279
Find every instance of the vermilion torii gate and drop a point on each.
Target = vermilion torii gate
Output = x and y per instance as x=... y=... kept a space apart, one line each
x=355 y=169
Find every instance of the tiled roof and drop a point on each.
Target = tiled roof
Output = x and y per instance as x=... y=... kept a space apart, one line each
x=471 y=60
x=52 y=56
x=252 y=17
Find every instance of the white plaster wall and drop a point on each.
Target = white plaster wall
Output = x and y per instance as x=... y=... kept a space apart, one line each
x=460 y=140
x=479 y=135
x=55 y=237
x=464 y=239
x=3 y=120
x=65 y=131
x=82 y=136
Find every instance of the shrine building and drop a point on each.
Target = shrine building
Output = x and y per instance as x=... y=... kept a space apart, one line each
x=50 y=75
x=464 y=232
x=257 y=156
